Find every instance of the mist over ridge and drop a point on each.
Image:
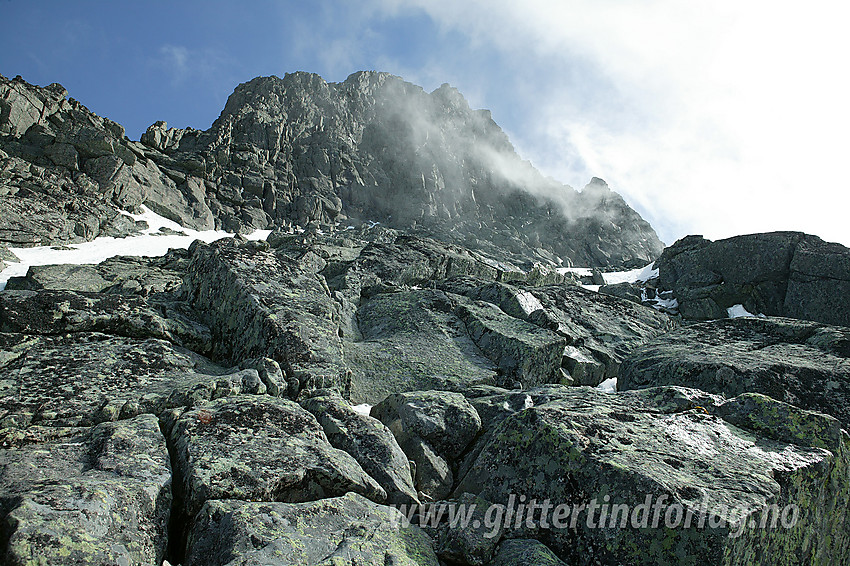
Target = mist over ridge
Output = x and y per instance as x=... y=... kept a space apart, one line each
x=375 y=147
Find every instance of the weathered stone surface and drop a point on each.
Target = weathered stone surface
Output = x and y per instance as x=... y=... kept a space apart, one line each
x=261 y=448
x=599 y=331
x=433 y=475
x=61 y=312
x=343 y=530
x=265 y=304
x=778 y=273
x=412 y=340
x=85 y=378
x=526 y=352
x=676 y=443
x=525 y=552
x=445 y=420
x=120 y=274
x=50 y=205
x=86 y=496
x=799 y=362
x=819 y=283
x=433 y=428
x=369 y=441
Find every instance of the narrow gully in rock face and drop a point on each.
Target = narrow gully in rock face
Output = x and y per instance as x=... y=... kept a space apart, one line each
x=178 y=521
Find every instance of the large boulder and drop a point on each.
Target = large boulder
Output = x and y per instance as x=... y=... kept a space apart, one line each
x=666 y=475
x=596 y=331
x=523 y=552
x=343 y=530
x=60 y=312
x=526 y=353
x=265 y=304
x=778 y=273
x=819 y=283
x=127 y=275
x=411 y=340
x=99 y=495
x=368 y=440
x=434 y=428
x=261 y=448
x=799 y=362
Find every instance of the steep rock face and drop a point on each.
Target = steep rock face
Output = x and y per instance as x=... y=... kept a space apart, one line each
x=377 y=148
x=65 y=173
x=778 y=273
x=802 y=363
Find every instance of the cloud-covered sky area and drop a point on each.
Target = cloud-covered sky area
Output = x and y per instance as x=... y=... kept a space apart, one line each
x=714 y=118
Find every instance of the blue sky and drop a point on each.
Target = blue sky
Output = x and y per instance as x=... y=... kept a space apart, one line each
x=716 y=118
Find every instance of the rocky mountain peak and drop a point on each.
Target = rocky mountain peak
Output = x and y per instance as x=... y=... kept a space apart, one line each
x=298 y=150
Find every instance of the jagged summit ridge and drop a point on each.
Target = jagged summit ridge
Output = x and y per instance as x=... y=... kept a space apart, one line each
x=390 y=151
x=299 y=150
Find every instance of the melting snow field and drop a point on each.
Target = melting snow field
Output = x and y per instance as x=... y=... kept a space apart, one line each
x=580 y=271
x=641 y=274
x=150 y=243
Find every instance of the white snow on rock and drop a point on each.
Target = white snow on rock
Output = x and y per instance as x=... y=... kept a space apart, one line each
x=363 y=409
x=738 y=311
x=609 y=385
x=641 y=274
x=579 y=271
x=150 y=243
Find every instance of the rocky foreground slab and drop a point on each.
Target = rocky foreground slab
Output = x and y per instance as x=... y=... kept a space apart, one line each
x=213 y=421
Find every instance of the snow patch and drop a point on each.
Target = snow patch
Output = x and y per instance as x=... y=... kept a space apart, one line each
x=609 y=385
x=580 y=271
x=529 y=402
x=363 y=409
x=151 y=243
x=594 y=288
x=639 y=275
x=738 y=311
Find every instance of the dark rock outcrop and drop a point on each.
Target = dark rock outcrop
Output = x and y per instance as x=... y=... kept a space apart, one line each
x=777 y=274
x=433 y=428
x=470 y=541
x=522 y=552
x=369 y=441
x=120 y=274
x=802 y=363
x=84 y=378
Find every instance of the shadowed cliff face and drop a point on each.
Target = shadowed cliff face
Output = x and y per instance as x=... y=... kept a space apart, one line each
x=377 y=148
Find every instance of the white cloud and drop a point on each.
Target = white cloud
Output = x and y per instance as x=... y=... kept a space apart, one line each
x=717 y=118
